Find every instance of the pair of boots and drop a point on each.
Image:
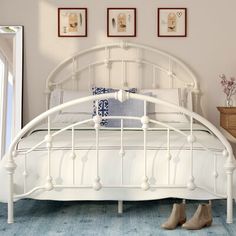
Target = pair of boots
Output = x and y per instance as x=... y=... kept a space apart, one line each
x=200 y=219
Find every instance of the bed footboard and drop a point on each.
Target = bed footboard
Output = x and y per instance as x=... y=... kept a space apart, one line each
x=145 y=120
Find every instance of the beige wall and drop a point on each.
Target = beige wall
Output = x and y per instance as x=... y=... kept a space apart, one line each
x=209 y=49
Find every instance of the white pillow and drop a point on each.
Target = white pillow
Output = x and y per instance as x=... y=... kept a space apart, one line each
x=82 y=108
x=55 y=98
x=75 y=113
x=71 y=118
x=163 y=113
x=186 y=99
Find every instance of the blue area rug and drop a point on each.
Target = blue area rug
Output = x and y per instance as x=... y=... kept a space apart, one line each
x=34 y=218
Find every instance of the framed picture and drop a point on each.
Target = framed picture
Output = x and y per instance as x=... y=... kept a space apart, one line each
x=172 y=22
x=72 y=22
x=121 y=22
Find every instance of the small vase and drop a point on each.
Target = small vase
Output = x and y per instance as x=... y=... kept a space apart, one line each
x=228 y=102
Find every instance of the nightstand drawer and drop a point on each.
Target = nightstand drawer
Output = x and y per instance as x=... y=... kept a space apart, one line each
x=228 y=119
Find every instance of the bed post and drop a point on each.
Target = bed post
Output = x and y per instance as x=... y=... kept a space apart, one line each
x=229 y=168
x=196 y=98
x=10 y=168
x=47 y=94
x=120 y=207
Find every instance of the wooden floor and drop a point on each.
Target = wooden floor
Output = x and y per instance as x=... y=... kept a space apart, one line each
x=100 y=218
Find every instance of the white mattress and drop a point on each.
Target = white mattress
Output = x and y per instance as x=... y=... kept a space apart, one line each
x=132 y=139
x=110 y=163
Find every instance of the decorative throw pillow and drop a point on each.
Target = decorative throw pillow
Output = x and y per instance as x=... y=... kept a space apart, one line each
x=132 y=107
x=103 y=104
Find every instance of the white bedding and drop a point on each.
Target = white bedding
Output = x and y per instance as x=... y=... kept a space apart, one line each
x=133 y=138
x=110 y=162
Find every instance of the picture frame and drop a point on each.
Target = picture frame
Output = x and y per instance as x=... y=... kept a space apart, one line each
x=72 y=22
x=121 y=22
x=172 y=22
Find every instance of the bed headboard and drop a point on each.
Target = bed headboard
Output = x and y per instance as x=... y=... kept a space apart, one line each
x=121 y=65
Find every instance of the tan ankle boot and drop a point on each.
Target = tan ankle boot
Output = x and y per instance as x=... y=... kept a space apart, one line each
x=200 y=219
x=177 y=217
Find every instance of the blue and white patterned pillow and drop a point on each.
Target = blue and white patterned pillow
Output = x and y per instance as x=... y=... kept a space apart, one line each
x=103 y=105
x=131 y=107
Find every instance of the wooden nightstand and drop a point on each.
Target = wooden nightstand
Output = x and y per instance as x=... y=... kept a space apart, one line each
x=228 y=121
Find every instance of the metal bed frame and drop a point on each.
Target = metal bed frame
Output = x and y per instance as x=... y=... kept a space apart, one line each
x=54 y=81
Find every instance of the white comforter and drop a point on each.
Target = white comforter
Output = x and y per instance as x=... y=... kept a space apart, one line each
x=205 y=149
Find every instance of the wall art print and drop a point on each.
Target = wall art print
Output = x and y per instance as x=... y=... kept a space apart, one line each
x=72 y=22
x=121 y=22
x=172 y=22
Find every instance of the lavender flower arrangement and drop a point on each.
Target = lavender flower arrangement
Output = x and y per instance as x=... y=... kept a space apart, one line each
x=229 y=88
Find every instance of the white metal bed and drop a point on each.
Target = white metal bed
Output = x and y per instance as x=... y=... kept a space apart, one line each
x=143 y=62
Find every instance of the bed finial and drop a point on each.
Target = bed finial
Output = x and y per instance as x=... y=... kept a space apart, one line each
x=145 y=121
x=97 y=184
x=121 y=95
x=145 y=184
x=97 y=120
x=49 y=184
x=107 y=63
x=191 y=185
x=124 y=45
